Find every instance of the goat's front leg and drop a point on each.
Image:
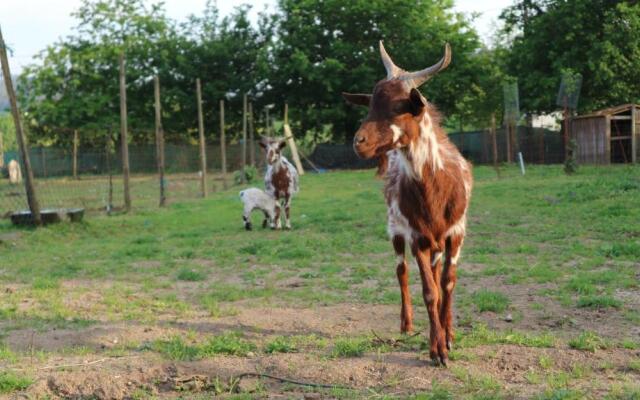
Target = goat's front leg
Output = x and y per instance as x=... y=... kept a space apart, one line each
x=267 y=218
x=431 y=294
x=406 y=312
x=246 y=218
x=287 y=204
x=453 y=246
x=276 y=219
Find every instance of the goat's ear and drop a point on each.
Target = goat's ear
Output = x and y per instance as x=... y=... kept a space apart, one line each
x=417 y=101
x=357 y=98
x=282 y=144
x=262 y=144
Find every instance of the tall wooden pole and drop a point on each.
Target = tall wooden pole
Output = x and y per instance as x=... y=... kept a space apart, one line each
x=203 y=149
x=252 y=150
x=159 y=140
x=20 y=136
x=75 y=154
x=494 y=143
x=292 y=143
x=123 y=135
x=223 y=146
x=110 y=196
x=508 y=137
x=244 y=136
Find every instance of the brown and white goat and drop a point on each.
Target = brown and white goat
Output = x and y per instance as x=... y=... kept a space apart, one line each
x=427 y=190
x=281 y=179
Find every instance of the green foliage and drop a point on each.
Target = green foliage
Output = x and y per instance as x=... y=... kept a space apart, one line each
x=588 y=341
x=11 y=382
x=8 y=132
x=250 y=174
x=487 y=300
x=546 y=38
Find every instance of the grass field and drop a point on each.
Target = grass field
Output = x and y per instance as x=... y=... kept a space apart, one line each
x=179 y=302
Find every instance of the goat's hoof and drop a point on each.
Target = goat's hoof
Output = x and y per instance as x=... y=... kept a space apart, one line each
x=449 y=344
x=287 y=227
x=247 y=227
x=264 y=224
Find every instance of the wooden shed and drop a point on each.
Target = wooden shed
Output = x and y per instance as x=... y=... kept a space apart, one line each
x=611 y=135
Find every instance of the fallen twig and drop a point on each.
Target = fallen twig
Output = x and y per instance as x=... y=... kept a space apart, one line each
x=392 y=342
x=287 y=380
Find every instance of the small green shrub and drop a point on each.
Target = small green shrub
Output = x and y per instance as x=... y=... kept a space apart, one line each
x=228 y=343
x=350 y=347
x=11 y=382
x=250 y=175
x=280 y=344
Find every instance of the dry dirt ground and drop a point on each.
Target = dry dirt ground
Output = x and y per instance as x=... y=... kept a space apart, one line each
x=113 y=363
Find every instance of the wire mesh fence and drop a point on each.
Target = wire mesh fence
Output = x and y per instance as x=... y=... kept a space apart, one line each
x=97 y=184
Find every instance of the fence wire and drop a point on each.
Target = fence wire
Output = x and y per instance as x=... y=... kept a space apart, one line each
x=98 y=183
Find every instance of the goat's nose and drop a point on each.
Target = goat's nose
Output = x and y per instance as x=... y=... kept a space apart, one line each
x=359 y=139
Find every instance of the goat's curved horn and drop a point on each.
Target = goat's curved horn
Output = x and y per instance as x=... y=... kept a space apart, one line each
x=415 y=79
x=392 y=70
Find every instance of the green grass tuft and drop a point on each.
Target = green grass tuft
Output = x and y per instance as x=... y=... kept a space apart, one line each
x=190 y=275
x=350 y=347
x=11 y=382
x=487 y=300
x=280 y=344
x=588 y=341
x=599 y=302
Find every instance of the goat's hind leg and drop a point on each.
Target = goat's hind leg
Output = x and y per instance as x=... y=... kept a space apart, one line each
x=448 y=283
x=431 y=293
x=402 y=271
x=246 y=218
x=266 y=220
x=287 y=205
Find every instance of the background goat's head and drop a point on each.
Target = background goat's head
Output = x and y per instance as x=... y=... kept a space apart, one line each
x=272 y=148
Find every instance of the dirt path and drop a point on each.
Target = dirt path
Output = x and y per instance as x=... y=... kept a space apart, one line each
x=113 y=361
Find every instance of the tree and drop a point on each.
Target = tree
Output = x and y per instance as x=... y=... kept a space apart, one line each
x=326 y=47
x=600 y=40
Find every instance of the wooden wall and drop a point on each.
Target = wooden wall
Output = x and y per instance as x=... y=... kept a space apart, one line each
x=592 y=137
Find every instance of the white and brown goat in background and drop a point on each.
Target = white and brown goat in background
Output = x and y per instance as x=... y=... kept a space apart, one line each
x=281 y=179
x=427 y=190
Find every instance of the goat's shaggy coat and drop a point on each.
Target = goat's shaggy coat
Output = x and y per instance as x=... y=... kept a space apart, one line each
x=281 y=179
x=427 y=190
x=254 y=198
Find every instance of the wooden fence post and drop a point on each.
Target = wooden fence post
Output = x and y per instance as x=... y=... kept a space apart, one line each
x=1 y=151
x=292 y=144
x=494 y=143
x=252 y=150
x=203 y=149
x=20 y=136
x=508 y=138
x=223 y=147
x=75 y=154
x=244 y=137
x=123 y=135
x=110 y=195
x=159 y=139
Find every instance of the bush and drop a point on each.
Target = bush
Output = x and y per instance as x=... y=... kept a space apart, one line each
x=250 y=175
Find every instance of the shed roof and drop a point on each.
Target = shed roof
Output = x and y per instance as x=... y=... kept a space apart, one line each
x=609 y=111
